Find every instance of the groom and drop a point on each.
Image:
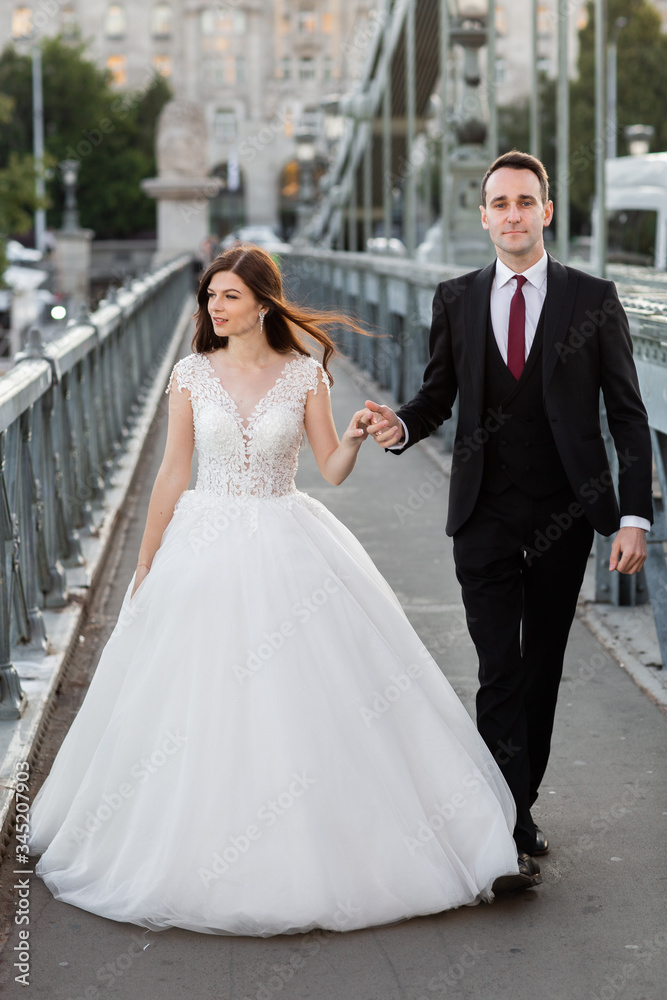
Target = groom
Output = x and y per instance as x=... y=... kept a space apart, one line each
x=527 y=345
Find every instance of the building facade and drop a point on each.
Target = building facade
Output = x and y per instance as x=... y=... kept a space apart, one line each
x=260 y=69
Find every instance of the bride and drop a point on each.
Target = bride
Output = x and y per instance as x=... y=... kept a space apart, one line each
x=266 y=746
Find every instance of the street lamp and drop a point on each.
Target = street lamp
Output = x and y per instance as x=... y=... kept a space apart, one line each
x=69 y=170
x=305 y=154
x=612 y=88
x=638 y=138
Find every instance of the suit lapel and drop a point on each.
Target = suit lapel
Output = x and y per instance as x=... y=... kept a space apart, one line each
x=559 y=304
x=477 y=320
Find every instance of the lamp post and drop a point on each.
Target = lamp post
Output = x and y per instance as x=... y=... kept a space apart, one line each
x=601 y=145
x=638 y=138
x=69 y=170
x=38 y=144
x=305 y=154
x=612 y=89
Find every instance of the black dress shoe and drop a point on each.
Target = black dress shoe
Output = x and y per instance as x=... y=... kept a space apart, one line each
x=541 y=843
x=527 y=876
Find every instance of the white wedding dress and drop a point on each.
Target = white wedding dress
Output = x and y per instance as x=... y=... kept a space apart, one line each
x=266 y=746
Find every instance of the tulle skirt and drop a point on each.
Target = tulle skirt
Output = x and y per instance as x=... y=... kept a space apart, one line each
x=266 y=746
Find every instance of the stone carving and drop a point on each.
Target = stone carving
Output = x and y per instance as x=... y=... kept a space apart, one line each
x=182 y=140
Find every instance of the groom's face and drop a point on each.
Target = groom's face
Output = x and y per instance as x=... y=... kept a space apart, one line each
x=515 y=214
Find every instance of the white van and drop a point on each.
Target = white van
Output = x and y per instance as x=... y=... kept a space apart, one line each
x=637 y=210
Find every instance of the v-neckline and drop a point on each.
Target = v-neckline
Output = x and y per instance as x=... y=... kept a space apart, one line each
x=254 y=412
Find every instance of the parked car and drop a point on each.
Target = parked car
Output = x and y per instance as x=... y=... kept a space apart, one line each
x=392 y=247
x=16 y=253
x=261 y=236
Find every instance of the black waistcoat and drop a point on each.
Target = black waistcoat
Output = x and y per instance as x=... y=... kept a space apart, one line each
x=522 y=451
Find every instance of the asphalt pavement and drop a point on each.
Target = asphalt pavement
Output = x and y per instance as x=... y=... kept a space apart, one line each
x=596 y=928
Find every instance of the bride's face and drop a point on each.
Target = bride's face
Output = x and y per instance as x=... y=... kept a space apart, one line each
x=232 y=306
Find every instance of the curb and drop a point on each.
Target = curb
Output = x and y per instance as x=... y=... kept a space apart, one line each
x=41 y=674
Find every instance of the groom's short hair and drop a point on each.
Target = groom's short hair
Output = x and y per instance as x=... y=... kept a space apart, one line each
x=519 y=161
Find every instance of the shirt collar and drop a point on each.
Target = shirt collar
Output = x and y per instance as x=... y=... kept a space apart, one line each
x=535 y=274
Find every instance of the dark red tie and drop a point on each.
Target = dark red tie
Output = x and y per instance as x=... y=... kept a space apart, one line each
x=516 y=339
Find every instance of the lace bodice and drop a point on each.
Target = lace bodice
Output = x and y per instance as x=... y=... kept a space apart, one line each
x=257 y=459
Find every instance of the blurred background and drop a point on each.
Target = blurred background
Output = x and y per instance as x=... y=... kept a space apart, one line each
x=130 y=133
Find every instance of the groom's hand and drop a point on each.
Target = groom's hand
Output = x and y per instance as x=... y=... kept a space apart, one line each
x=628 y=552
x=385 y=426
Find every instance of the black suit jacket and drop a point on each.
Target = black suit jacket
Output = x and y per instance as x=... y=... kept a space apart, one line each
x=586 y=348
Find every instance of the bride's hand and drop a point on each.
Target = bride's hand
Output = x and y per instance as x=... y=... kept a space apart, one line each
x=387 y=429
x=140 y=575
x=357 y=429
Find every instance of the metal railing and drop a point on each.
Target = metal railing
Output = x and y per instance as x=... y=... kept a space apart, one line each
x=394 y=297
x=66 y=409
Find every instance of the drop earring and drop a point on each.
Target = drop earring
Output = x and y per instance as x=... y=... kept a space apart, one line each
x=261 y=322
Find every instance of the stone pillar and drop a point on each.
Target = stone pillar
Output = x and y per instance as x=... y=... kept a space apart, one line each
x=72 y=263
x=182 y=188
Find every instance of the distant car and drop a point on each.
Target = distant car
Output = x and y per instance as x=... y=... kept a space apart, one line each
x=16 y=253
x=431 y=248
x=261 y=236
x=392 y=247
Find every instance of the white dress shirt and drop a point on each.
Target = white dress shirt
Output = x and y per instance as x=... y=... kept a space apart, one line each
x=534 y=293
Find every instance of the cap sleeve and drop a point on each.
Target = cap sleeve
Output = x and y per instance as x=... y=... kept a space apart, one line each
x=180 y=375
x=318 y=376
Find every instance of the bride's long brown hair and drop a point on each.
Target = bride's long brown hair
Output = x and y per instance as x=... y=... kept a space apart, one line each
x=257 y=269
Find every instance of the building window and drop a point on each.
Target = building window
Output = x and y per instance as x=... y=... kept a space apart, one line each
x=307 y=69
x=327 y=67
x=285 y=68
x=224 y=125
x=311 y=119
x=228 y=23
x=544 y=21
x=69 y=22
x=307 y=22
x=117 y=66
x=327 y=21
x=543 y=64
x=285 y=23
x=501 y=20
x=115 y=23
x=162 y=65
x=501 y=70
x=240 y=69
x=161 y=20
x=21 y=22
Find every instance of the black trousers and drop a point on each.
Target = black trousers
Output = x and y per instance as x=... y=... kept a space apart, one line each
x=520 y=562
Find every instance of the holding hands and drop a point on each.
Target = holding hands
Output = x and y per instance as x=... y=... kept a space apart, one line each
x=385 y=426
x=377 y=420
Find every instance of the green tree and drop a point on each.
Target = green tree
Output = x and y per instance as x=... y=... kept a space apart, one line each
x=642 y=93
x=17 y=190
x=109 y=132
